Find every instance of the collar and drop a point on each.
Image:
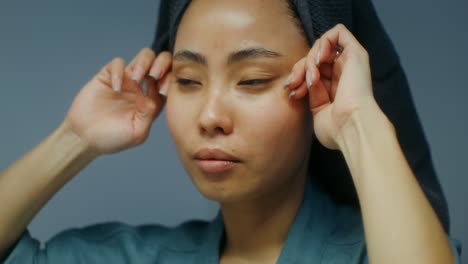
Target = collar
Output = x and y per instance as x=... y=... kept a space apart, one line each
x=306 y=240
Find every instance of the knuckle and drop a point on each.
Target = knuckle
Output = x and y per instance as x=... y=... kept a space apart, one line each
x=340 y=27
x=148 y=52
x=310 y=54
x=361 y=52
x=144 y=58
x=298 y=65
x=166 y=54
x=104 y=74
x=165 y=57
x=116 y=66
x=118 y=60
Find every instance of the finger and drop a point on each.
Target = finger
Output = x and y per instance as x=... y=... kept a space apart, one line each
x=326 y=56
x=164 y=84
x=313 y=73
x=337 y=42
x=296 y=77
x=161 y=65
x=153 y=89
x=295 y=82
x=153 y=94
x=129 y=85
x=300 y=76
x=111 y=75
x=326 y=71
x=319 y=97
x=141 y=64
x=117 y=67
x=299 y=92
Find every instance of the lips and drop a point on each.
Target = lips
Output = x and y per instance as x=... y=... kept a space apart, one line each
x=215 y=160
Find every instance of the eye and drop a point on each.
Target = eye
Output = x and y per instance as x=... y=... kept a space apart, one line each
x=187 y=82
x=254 y=82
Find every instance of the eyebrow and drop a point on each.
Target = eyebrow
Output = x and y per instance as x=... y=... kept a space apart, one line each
x=251 y=53
x=237 y=56
x=190 y=56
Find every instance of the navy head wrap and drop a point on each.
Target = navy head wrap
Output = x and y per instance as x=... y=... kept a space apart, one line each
x=391 y=91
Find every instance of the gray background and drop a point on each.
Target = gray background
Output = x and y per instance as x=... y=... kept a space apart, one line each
x=49 y=49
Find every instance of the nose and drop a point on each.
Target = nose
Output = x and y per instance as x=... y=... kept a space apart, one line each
x=215 y=116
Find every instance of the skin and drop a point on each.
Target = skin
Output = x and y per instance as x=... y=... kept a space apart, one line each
x=269 y=129
x=257 y=123
x=218 y=108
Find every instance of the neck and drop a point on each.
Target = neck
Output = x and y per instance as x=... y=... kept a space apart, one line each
x=257 y=229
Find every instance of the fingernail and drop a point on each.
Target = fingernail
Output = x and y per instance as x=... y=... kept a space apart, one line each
x=291 y=94
x=287 y=82
x=137 y=73
x=319 y=54
x=163 y=89
x=309 y=78
x=156 y=73
x=117 y=84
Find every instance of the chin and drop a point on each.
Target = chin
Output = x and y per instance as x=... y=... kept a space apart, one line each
x=226 y=188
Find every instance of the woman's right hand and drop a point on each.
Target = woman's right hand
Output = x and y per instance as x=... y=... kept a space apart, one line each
x=111 y=112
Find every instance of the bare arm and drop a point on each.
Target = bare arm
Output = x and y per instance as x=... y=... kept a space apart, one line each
x=32 y=180
x=400 y=224
x=110 y=114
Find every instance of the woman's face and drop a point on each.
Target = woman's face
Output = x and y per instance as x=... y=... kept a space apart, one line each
x=231 y=60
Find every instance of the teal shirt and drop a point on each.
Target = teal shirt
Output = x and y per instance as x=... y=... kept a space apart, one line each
x=322 y=232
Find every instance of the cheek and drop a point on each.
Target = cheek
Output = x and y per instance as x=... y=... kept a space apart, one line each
x=276 y=129
x=268 y=128
x=179 y=118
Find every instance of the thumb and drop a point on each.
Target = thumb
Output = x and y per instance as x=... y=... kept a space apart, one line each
x=143 y=119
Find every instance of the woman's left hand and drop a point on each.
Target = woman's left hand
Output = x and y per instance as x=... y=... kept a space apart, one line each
x=336 y=73
x=347 y=117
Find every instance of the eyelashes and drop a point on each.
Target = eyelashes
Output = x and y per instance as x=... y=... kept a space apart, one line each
x=255 y=82
x=187 y=82
x=250 y=82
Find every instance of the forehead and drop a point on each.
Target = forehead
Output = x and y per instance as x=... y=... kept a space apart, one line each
x=223 y=26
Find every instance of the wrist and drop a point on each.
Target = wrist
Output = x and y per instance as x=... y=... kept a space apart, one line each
x=68 y=137
x=366 y=126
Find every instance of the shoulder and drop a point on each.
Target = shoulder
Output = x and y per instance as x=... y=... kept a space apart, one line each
x=111 y=242
x=182 y=236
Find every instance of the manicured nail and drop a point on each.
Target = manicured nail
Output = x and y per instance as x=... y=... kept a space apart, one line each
x=137 y=73
x=319 y=54
x=309 y=78
x=287 y=82
x=292 y=94
x=163 y=89
x=117 y=84
x=156 y=73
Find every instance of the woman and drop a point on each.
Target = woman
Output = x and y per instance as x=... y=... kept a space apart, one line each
x=243 y=123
